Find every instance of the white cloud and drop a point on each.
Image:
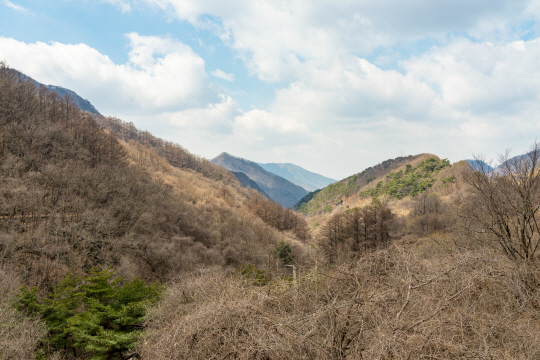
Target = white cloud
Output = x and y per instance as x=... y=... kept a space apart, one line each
x=124 y=6
x=162 y=74
x=277 y=39
x=14 y=6
x=482 y=78
x=216 y=118
x=223 y=75
x=263 y=129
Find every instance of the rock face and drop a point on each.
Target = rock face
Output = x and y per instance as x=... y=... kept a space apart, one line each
x=299 y=176
x=278 y=189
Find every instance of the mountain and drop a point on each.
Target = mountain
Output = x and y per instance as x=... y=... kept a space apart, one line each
x=394 y=178
x=281 y=190
x=479 y=165
x=81 y=103
x=297 y=175
x=139 y=205
x=248 y=183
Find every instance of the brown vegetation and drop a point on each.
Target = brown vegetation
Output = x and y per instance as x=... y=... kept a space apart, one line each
x=18 y=334
x=390 y=304
x=357 y=229
x=505 y=204
x=74 y=197
x=374 y=283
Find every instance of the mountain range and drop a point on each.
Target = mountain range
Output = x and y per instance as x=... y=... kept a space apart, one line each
x=297 y=175
x=281 y=190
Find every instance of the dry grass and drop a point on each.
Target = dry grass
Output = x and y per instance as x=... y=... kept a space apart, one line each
x=18 y=334
x=391 y=304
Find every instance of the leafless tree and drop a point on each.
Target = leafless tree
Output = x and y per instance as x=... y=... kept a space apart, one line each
x=505 y=203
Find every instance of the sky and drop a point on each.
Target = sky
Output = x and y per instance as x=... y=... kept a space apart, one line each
x=331 y=86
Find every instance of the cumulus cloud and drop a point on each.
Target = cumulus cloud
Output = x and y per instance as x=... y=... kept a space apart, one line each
x=276 y=39
x=162 y=74
x=265 y=129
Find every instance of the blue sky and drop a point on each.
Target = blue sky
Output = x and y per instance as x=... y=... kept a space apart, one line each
x=331 y=86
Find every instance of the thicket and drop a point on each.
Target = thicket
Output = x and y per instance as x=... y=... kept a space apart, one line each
x=412 y=181
x=73 y=198
x=428 y=215
x=92 y=316
x=19 y=334
x=355 y=230
x=440 y=300
x=277 y=216
x=503 y=205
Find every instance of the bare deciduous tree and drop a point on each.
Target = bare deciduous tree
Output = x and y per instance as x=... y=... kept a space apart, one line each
x=505 y=203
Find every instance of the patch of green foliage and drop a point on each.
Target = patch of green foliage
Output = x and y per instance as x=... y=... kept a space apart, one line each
x=327 y=208
x=447 y=180
x=302 y=204
x=341 y=188
x=93 y=317
x=251 y=273
x=283 y=252
x=411 y=182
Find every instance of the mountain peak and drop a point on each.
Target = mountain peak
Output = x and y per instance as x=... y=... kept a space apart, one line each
x=281 y=190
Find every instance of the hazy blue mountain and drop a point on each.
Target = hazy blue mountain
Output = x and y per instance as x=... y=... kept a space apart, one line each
x=278 y=189
x=248 y=183
x=479 y=165
x=299 y=176
x=83 y=104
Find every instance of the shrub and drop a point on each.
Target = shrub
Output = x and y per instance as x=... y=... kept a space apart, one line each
x=250 y=272
x=284 y=253
x=94 y=316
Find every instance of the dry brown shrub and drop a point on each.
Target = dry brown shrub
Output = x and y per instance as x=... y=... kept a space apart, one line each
x=18 y=333
x=390 y=304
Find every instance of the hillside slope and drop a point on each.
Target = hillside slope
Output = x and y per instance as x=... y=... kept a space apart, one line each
x=297 y=175
x=81 y=103
x=248 y=183
x=395 y=178
x=279 y=189
x=74 y=197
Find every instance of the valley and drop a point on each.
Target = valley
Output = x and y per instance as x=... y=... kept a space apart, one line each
x=117 y=244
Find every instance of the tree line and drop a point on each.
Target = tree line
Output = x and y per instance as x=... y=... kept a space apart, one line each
x=356 y=230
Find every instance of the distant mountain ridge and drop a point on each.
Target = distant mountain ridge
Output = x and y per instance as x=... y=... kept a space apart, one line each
x=479 y=165
x=281 y=190
x=248 y=183
x=82 y=104
x=308 y=180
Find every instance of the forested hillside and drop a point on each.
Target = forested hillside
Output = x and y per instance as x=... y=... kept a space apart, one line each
x=395 y=178
x=75 y=197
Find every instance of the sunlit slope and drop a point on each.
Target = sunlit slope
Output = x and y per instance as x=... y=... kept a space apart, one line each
x=75 y=197
x=394 y=178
